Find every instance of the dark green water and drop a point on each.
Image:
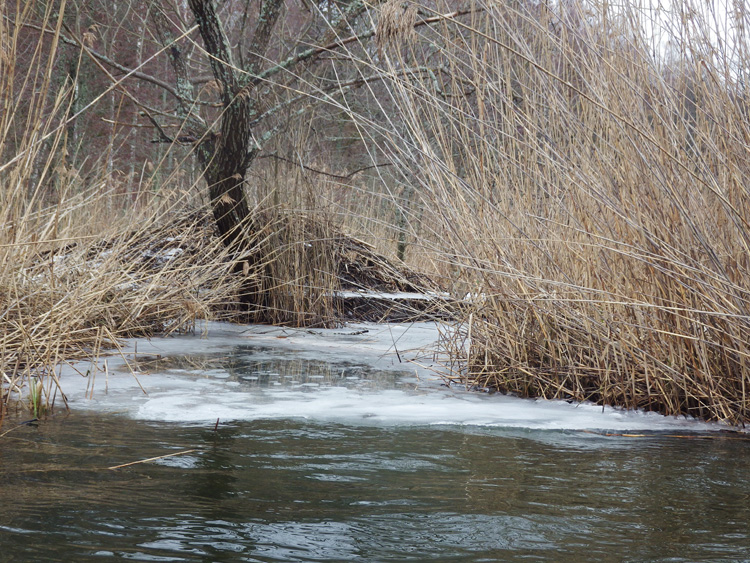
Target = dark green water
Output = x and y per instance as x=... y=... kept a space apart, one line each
x=300 y=491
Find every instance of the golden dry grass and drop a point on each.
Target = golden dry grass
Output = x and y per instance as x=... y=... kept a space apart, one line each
x=81 y=260
x=590 y=198
x=594 y=201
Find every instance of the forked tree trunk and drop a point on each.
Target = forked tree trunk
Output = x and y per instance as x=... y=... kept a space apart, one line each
x=225 y=156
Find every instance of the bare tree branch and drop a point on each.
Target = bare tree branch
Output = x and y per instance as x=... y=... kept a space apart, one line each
x=314 y=51
x=269 y=14
x=217 y=45
x=108 y=61
x=324 y=173
x=184 y=85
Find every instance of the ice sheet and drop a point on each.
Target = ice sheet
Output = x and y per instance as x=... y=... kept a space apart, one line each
x=364 y=374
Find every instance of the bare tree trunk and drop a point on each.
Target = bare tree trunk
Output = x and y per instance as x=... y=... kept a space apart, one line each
x=222 y=158
x=226 y=156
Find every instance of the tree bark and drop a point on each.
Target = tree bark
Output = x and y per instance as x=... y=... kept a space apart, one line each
x=226 y=156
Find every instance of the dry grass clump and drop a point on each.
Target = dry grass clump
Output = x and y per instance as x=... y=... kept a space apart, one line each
x=85 y=258
x=543 y=346
x=76 y=299
x=592 y=201
x=292 y=273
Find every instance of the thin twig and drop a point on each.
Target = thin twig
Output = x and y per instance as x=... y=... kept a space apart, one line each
x=152 y=459
x=17 y=427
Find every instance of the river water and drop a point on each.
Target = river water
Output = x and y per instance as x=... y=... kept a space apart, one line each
x=321 y=455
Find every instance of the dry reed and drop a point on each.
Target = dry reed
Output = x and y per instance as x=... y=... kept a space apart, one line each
x=582 y=185
x=82 y=261
x=587 y=190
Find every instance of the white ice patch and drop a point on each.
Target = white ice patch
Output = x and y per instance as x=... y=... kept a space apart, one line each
x=393 y=295
x=364 y=374
x=164 y=255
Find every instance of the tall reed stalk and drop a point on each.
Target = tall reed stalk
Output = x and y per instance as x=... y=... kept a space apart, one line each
x=586 y=186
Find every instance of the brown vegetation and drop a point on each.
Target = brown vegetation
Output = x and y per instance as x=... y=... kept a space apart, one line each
x=583 y=184
x=593 y=198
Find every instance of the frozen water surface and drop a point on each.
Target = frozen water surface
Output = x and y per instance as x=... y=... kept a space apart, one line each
x=362 y=374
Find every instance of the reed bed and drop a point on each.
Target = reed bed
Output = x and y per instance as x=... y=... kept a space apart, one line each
x=83 y=257
x=586 y=186
x=575 y=173
x=63 y=301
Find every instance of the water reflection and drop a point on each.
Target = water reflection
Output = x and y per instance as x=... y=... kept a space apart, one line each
x=300 y=491
x=262 y=367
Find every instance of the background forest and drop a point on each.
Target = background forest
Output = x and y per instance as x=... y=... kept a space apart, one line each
x=576 y=171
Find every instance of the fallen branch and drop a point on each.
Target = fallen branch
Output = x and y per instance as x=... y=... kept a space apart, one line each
x=151 y=459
